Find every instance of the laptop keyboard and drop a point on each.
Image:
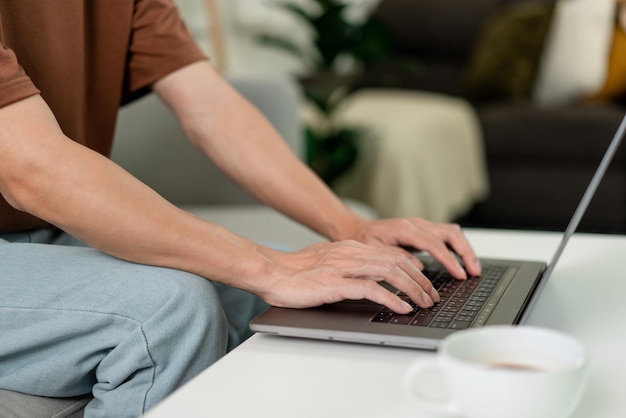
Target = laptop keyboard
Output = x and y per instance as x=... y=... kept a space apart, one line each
x=464 y=303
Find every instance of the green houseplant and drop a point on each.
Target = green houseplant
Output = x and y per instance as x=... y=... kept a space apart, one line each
x=331 y=147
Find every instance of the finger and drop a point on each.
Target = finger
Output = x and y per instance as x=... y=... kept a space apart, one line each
x=400 y=271
x=357 y=289
x=433 y=238
x=407 y=264
x=410 y=253
x=440 y=252
x=352 y=259
x=457 y=241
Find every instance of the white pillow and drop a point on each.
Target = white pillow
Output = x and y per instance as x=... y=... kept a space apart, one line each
x=575 y=58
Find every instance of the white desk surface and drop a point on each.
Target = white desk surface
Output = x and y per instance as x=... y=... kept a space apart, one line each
x=271 y=376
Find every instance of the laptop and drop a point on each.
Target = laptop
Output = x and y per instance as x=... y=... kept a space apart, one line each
x=503 y=295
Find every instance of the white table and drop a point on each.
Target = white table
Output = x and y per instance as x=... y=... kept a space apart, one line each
x=271 y=376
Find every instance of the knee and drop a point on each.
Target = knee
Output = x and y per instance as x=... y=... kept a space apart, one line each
x=190 y=294
x=188 y=310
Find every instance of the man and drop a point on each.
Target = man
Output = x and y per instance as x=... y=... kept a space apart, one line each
x=135 y=312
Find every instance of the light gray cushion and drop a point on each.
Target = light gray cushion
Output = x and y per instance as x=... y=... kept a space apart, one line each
x=151 y=145
x=19 y=405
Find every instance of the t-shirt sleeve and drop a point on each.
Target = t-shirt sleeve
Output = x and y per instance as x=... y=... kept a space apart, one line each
x=160 y=44
x=15 y=85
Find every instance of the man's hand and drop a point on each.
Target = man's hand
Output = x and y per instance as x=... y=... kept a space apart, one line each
x=438 y=239
x=331 y=272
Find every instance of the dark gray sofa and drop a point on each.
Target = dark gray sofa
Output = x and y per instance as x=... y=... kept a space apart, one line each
x=539 y=159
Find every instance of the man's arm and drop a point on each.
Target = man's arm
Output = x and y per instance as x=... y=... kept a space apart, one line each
x=52 y=177
x=240 y=141
x=245 y=146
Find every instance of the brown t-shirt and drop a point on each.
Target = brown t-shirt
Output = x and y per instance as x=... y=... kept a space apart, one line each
x=86 y=57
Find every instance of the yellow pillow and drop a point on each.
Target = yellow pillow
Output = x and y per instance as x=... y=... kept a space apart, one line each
x=615 y=84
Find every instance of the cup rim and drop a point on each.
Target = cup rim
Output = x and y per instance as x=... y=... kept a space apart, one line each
x=578 y=361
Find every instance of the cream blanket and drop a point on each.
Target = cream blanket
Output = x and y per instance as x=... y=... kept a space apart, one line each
x=424 y=156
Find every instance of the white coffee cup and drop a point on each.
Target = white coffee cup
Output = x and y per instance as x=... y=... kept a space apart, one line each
x=503 y=371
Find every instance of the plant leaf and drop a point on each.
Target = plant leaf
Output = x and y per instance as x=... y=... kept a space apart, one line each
x=298 y=12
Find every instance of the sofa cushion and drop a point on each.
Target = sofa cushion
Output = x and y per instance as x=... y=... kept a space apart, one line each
x=615 y=82
x=433 y=42
x=151 y=145
x=507 y=52
x=521 y=133
x=431 y=28
x=574 y=61
x=19 y=405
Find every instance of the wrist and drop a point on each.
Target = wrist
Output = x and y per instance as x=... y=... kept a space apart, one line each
x=347 y=227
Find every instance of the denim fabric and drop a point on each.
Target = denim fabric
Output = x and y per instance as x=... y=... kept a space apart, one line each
x=74 y=320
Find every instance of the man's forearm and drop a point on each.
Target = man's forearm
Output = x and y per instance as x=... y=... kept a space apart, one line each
x=52 y=177
x=247 y=148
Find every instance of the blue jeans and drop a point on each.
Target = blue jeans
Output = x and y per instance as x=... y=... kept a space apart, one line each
x=74 y=320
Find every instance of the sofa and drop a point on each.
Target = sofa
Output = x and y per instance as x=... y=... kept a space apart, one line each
x=540 y=154
x=150 y=144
